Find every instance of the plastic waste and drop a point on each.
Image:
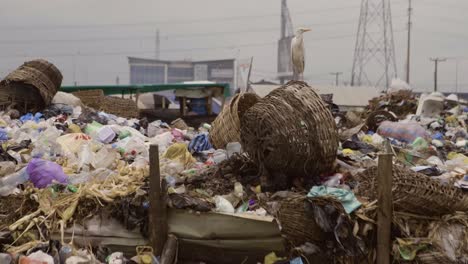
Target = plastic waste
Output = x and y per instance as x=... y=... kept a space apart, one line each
x=219 y=156
x=85 y=158
x=430 y=105
x=233 y=147
x=5 y=258
x=200 y=143
x=406 y=132
x=223 y=205
x=72 y=142
x=66 y=99
x=3 y=134
x=419 y=144
x=92 y=129
x=334 y=180
x=43 y=173
x=38 y=257
x=346 y=197
x=116 y=258
x=105 y=134
x=8 y=184
x=105 y=158
x=6 y=168
x=65 y=252
x=30 y=117
x=178 y=134
x=162 y=140
x=461 y=143
x=98 y=175
x=434 y=160
x=272 y=258
x=437 y=143
x=132 y=146
x=179 y=152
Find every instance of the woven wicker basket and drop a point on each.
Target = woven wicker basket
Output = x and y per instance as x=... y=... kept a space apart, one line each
x=296 y=227
x=291 y=131
x=48 y=69
x=41 y=75
x=120 y=107
x=226 y=126
x=414 y=192
x=90 y=98
x=22 y=97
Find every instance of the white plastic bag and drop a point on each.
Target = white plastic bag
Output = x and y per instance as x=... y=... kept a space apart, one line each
x=66 y=99
x=223 y=205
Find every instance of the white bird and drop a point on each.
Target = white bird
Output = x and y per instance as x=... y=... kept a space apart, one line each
x=298 y=53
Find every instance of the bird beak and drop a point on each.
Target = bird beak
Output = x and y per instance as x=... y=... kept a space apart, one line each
x=307 y=29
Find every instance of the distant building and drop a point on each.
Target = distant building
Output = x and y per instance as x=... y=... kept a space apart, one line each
x=151 y=71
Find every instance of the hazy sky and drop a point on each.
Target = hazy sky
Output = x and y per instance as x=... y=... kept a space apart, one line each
x=89 y=40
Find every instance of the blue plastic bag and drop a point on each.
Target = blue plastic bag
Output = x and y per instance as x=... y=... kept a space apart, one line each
x=3 y=135
x=30 y=117
x=200 y=143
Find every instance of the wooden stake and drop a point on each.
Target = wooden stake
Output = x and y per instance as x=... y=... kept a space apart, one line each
x=385 y=208
x=169 y=254
x=157 y=212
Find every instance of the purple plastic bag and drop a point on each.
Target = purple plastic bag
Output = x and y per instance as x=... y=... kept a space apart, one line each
x=43 y=173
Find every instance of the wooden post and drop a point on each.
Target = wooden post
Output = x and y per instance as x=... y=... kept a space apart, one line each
x=184 y=106
x=157 y=212
x=385 y=208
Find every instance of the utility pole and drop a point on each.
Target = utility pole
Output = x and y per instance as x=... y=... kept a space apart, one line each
x=408 y=55
x=157 y=46
x=436 y=66
x=337 y=76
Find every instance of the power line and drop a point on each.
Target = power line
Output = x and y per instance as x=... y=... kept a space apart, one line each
x=315 y=12
x=175 y=36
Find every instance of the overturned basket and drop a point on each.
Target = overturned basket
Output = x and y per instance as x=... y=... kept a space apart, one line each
x=414 y=192
x=291 y=131
x=226 y=127
x=41 y=78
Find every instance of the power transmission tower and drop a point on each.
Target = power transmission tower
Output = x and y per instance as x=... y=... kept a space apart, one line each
x=408 y=51
x=436 y=68
x=374 y=55
x=284 y=44
x=157 y=46
x=337 y=76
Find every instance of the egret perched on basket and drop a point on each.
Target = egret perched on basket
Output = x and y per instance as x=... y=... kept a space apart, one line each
x=298 y=54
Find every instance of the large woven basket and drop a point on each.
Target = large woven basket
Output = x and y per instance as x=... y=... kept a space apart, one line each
x=37 y=74
x=90 y=98
x=414 y=192
x=291 y=131
x=296 y=226
x=226 y=126
x=48 y=69
x=120 y=107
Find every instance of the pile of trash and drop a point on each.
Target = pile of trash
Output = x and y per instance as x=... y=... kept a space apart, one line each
x=69 y=165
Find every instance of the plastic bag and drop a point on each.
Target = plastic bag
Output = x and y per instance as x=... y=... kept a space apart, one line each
x=72 y=142
x=98 y=175
x=36 y=258
x=179 y=152
x=43 y=173
x=162 y=140
x=406 y=132
x=85 y=158
x=233 y=147
x=105 y=158
x=223 y=205
x=30 y=117
x=200 y=143
x=66 y=99
x=8 y=183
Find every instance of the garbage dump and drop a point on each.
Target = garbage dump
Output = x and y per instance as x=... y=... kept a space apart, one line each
x=73 y=176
